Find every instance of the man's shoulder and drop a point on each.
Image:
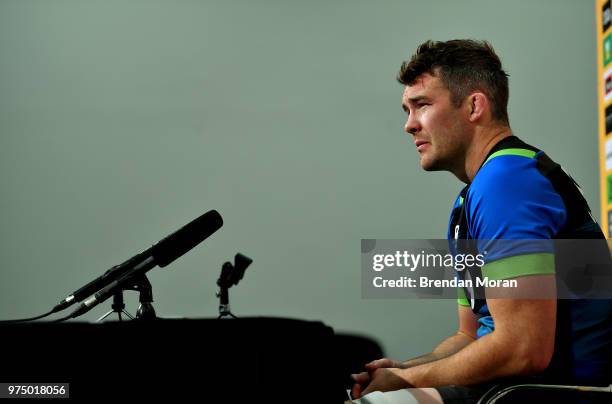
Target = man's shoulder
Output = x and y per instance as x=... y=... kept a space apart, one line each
x=507 y=173
x=512 y=186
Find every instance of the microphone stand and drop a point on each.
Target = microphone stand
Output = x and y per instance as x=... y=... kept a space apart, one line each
x=224 y=284
x=230 y=275
x=118 y=307
x=145 y=298
x=145 y=310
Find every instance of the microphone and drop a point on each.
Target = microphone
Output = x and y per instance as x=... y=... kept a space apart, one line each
x=160 y=254
x=184 y=239
x=100 y=281
x=109 y=289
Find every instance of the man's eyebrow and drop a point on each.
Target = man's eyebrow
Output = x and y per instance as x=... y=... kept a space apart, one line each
x=414 y=100
x=417 y=98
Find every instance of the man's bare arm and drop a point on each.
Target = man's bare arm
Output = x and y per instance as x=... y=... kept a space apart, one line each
x=522 y=344
x=466 y=334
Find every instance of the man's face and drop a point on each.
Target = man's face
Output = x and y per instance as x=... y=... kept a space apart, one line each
x=439 y=129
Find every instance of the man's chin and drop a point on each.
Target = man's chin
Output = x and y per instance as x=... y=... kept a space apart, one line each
x=427 y=165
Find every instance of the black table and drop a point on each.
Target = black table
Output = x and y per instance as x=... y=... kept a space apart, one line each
x=246 y=360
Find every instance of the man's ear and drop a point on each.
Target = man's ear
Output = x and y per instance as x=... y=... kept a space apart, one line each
x=478 y=105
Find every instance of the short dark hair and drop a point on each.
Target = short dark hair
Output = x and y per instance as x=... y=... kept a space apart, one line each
x=463 y=65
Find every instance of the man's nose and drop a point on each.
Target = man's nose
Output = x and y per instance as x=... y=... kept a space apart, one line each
x=412 y=125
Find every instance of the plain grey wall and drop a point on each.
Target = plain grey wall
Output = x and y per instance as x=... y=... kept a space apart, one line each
x=122 y=120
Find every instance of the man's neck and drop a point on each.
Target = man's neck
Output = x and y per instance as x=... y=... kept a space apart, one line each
x=480 y=148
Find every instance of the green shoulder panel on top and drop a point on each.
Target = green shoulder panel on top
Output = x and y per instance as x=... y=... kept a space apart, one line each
x=512 y=152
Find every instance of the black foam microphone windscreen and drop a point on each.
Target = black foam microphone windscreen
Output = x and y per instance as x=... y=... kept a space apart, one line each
x=184 y=239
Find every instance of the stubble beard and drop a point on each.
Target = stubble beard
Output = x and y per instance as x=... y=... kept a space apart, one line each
x=437 y=161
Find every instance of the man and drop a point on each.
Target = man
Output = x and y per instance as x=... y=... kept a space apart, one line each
x=456 y=96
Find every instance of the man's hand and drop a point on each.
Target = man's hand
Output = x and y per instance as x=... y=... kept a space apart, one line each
x=386 y=379
x=363 y=379
x=383 y=363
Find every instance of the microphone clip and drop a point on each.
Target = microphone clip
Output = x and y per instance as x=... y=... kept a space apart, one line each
x=145 y=310
x=230 y=276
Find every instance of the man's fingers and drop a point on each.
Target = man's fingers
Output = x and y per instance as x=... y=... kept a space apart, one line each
x=361 y=378
x=356 y=391
x=381 y=363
